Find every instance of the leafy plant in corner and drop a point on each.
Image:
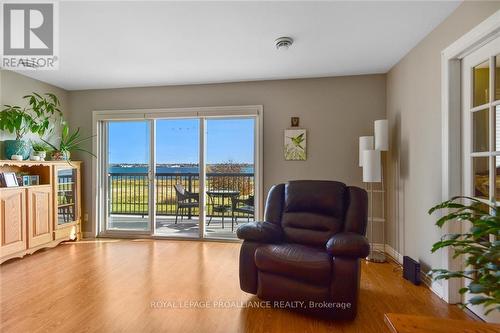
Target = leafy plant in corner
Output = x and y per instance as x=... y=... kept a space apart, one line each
x=69 y=142
x=34 y=117
x=480 y=247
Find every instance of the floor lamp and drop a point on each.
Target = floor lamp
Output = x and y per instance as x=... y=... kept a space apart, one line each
x=381 y=129
x=372 y=173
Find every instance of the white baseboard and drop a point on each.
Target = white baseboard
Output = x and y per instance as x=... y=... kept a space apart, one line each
x=435 y=286
x=393 y=253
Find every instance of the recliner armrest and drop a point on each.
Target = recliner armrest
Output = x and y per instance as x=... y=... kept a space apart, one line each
x=264 y=232
x=348 y=244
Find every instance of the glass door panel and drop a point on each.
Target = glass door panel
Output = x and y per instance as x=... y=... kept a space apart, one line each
x=497 y=77
x=128 y=181
x=230 y=181
x=481 y=83
x=480 y=130
x=177 y=177
x=66 y=195
x=481 y=175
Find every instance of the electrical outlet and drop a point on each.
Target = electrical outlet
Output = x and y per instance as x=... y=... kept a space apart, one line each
x=86 y=217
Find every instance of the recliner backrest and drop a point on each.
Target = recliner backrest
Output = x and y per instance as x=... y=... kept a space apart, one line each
x=313 y=211
x=356 y=217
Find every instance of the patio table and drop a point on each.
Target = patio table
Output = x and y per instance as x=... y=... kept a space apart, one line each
x=223 y=194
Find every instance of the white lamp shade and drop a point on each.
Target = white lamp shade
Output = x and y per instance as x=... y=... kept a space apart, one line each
x=365 y=143
x=372 y=169
x=382 y=135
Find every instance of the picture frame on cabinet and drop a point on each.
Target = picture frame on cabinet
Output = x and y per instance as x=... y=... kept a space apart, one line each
x=9 y=179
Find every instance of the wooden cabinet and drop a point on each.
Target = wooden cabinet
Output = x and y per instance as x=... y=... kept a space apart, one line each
x=39 y=216
x=12 y=222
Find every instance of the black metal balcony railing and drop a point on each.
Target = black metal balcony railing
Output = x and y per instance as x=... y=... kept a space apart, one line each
x=129 y=192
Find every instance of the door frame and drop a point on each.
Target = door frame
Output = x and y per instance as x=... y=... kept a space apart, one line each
x=451 y=113
x=486 y=53
x=99 y=117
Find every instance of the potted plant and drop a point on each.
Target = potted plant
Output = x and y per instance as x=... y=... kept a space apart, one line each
x=480 y=246
x=69 y=142
x=33 y=118
x=40 y=149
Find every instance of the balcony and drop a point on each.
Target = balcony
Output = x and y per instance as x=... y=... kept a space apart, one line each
x=128 y=205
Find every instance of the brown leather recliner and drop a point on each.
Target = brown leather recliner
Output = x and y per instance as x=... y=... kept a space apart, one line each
x=307 y=251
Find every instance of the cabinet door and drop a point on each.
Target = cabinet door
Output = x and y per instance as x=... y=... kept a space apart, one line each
x=67 y=197
x=12 y=221
x=39 y=215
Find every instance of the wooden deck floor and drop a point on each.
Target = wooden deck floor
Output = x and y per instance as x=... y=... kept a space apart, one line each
x=109 y=286
x=186 y=228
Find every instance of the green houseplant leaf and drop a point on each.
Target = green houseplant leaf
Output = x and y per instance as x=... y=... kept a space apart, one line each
x=34 y=117
x=480 y=248
x=70 y=141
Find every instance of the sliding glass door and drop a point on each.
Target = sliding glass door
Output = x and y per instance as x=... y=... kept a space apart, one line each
x=182 y=177
x=177 y=168
x=230 y=181
x=128 y=176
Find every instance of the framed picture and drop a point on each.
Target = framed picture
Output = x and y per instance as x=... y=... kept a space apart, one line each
x=9 y=179
x=26 y=181
x=34 y=180
x=295 y=145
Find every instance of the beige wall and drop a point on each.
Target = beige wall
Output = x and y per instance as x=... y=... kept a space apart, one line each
x=14 y=86
x=335 y=111
x=414 y=112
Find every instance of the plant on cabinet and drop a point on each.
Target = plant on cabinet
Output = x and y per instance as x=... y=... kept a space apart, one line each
x=40 y=149
x=69 y=142
x=35 y=117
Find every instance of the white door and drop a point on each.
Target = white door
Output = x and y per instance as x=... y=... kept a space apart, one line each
x=481 y=131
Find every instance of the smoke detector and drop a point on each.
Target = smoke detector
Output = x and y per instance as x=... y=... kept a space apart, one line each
x=283 y=43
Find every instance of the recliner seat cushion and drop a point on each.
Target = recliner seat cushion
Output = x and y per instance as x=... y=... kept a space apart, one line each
x=308 y=264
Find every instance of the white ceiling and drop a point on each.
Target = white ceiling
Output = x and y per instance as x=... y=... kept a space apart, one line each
x=125 y=44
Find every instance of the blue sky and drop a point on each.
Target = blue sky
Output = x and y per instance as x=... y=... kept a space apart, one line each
x=177 y=141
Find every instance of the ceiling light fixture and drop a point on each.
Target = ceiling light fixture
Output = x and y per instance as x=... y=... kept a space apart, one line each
x=283 y=43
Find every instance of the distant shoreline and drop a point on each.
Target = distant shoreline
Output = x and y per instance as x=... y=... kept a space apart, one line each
x=171 y=165
x=169 y=168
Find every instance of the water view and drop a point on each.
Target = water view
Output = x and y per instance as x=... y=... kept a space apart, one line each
x=229 y=184
x=171 y=168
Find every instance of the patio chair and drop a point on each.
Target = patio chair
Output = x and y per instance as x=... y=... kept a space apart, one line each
x=185 y=200
x=245 y=206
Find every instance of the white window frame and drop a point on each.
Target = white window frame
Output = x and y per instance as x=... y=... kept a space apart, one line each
x=486 y=53
x=451 y=114
x=99 y=117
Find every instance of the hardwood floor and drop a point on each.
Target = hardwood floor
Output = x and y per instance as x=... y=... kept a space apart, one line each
x=109 y=286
